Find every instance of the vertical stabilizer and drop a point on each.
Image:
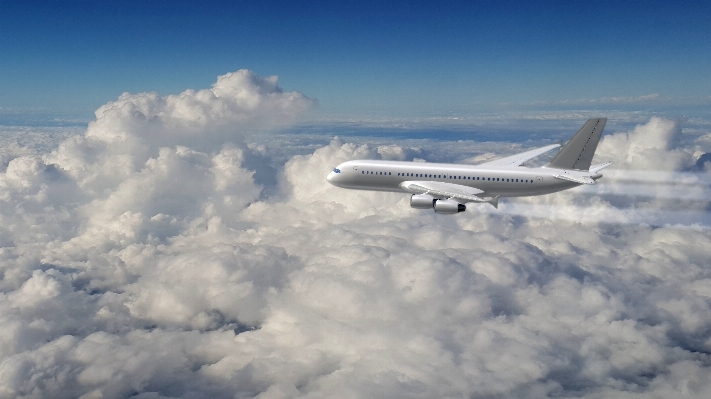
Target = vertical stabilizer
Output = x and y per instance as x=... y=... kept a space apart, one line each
x=578 y=152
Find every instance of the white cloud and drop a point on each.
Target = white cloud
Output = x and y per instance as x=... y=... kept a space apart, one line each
x=652 y=146
x=143 y=259
x=612 y=100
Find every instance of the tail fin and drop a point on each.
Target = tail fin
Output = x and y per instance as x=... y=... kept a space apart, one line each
x=578 y=152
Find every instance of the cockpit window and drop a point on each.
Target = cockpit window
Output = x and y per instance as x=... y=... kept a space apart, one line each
x=336 y=170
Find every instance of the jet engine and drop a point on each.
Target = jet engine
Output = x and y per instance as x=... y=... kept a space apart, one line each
x=448 y=207
x=422 y=201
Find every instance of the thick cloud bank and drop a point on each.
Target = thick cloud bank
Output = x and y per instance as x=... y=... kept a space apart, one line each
x=143 y=259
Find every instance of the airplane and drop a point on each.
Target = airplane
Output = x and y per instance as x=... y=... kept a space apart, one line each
x=446 y=188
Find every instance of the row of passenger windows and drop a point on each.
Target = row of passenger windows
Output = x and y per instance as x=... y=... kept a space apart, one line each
x=450 y=177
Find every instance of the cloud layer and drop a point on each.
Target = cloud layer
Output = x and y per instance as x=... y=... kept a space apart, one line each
x=145 y=259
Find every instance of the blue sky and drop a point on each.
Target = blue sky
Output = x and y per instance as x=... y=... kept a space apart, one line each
x=356 y=57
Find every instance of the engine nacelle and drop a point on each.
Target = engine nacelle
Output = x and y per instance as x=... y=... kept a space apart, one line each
x=448 y=207
x=422 y=201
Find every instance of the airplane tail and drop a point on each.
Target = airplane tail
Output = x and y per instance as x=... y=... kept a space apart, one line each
x=578 y=152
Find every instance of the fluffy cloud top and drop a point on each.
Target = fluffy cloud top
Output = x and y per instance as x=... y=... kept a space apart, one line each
x=142 y=259
x=652 y=147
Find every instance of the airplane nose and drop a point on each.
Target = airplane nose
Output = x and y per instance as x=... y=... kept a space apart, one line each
x=330 y=177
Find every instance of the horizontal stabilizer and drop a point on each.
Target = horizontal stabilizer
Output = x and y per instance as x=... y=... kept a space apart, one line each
x=576 y=179
x=599 y=167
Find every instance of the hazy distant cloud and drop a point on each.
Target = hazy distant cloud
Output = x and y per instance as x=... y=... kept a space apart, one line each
x=614 y=100
x=648 y=97
x=143 y=259
x=604 y=100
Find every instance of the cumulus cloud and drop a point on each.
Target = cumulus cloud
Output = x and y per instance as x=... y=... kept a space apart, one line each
x=652 y=147
x=144 y=259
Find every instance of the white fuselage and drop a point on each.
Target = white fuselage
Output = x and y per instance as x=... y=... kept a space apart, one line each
x=506 y=181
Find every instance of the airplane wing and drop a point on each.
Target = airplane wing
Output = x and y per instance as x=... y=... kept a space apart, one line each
x=518 y=159
x=457 y=192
